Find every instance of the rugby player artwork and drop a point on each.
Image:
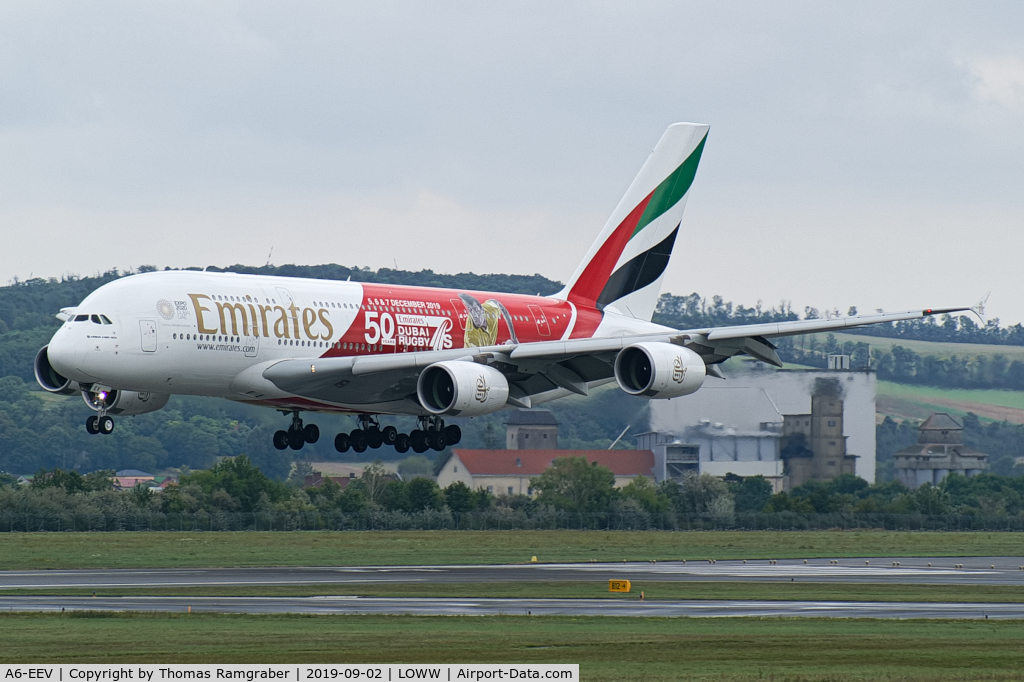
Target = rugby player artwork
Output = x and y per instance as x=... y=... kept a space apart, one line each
x=307 y=346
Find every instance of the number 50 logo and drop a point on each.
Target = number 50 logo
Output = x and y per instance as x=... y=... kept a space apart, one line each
x=383 y=331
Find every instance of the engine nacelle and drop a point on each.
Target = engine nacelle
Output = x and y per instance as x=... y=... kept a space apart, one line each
x=463 y=389
x=659 y=370
x=125 y=403
x=49 y=378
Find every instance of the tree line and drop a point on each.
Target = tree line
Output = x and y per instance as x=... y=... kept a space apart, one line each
x=570 y=485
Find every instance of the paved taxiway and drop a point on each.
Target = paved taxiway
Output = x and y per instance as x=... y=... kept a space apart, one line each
x=518 y=607
x=975 y=571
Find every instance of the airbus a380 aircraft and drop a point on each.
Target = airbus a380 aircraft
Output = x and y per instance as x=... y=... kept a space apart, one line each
x=369 y=349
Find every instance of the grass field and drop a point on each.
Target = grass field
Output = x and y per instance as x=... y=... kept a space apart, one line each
x=175 y=549
x=595 y=589
x=605 y=648
x=918 y=402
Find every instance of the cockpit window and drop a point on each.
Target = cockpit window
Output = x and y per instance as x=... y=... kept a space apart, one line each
x=96 y=319
x=106 y=320
x=81 y=318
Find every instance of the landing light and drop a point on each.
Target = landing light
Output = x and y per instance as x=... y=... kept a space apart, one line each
x=102 y=395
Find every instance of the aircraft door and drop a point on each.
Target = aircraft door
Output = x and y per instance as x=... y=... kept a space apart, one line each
x=541 y=319
x=148 y=330
x=251 y=344
x=287 y=301
x=458 y=305
x=285 y=295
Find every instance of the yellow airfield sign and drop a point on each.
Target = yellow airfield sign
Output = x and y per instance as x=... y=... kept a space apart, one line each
x=619 y=586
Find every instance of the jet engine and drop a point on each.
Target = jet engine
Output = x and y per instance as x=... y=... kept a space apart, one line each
x=463 y=389
x=659 y=370
x=123 y=402
x=49 y=378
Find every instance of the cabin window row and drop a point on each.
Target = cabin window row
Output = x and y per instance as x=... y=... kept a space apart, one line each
x=205 y=337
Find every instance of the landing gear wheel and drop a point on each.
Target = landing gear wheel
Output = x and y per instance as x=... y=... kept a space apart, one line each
x=418 y=440
x=296 y=439
x=389 y=434
x=453 y=434
x=374 y=438
x=402 y=443
x=357 y=440
x=281 y=440
x=90 y=425
x=341 y=442
x=105 y=425
x=311 y=433
x=437 y=440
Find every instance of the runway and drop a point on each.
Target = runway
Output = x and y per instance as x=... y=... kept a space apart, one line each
x=519 y=607
x=942 y=571
x=1005 y=571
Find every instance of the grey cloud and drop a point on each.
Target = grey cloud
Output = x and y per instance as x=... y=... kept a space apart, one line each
x=143 y=108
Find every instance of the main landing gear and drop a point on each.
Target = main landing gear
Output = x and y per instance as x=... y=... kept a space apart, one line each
x=100 y=424
x=432 y=433
x=297 y=435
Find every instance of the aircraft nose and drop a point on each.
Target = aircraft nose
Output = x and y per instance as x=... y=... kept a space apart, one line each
x=63 y=353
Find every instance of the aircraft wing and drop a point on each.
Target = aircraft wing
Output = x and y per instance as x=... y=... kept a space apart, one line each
x=716 y=344
x=533 y=369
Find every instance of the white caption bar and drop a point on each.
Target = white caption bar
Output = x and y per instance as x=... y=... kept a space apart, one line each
x=287 y=673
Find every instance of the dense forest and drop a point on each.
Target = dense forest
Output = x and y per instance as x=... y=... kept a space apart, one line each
x=40 y=430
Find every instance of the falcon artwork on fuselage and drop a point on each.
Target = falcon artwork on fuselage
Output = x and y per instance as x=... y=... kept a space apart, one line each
x=307 y=345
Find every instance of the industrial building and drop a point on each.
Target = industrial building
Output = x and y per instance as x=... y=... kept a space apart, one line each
x=813 y=445
x=535 y=429
x=790 y=426
x=940 y=451
x=748 y=446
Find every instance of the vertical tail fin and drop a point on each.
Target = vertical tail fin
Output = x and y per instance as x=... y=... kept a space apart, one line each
x=624 y=268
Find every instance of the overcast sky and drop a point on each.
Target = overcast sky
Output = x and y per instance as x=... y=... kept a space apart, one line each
x=866 y=154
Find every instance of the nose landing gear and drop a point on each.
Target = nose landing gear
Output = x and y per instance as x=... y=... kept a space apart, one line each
x=100 y=424
x=100 y=400
x=431 y=433
x=297 y=435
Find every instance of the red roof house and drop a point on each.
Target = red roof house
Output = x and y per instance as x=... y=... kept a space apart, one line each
x=509 y=471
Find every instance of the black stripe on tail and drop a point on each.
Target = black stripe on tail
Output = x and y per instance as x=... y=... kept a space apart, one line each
x=640 y=271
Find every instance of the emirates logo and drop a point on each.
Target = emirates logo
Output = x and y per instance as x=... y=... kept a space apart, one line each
x=482 y=389
x=678 y=370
